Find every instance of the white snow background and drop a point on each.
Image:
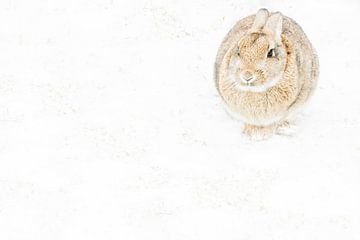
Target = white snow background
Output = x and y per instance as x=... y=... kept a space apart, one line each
x=111 y=126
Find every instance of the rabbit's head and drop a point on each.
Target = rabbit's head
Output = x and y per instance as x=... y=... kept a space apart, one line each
x=259 y=59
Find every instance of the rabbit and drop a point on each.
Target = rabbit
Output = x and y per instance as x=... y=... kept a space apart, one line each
x=265 y=70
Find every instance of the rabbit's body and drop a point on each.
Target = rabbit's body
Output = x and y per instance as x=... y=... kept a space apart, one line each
x=283 y=82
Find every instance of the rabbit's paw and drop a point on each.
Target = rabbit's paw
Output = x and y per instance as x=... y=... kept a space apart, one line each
x=259 y=132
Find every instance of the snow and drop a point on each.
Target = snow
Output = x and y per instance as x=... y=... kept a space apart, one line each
x=111 y=126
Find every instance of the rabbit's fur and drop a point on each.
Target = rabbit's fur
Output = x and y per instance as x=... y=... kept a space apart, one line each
x=265 y=69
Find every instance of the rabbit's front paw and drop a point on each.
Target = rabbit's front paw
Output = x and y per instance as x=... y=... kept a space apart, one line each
x=259 y=132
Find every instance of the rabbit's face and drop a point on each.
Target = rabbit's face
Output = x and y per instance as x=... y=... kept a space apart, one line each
x=257 y=63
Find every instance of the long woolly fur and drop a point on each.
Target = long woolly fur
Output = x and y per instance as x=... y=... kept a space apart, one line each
x=269 y=103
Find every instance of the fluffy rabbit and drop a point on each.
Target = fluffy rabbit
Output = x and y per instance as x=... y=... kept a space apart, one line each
x=265 y=69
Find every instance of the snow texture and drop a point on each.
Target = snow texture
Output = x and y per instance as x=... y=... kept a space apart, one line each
x=111 y=126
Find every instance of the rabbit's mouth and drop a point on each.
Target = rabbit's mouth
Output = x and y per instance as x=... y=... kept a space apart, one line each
x=249 y=82
x=253 y=85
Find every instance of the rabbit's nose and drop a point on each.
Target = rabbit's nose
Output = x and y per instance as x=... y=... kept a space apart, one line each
x=247 y=76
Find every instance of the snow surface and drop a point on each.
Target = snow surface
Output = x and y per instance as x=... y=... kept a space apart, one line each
x=111 y=127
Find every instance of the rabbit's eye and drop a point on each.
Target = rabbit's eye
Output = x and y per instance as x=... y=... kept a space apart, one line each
x=271 y=53
x=238 y=54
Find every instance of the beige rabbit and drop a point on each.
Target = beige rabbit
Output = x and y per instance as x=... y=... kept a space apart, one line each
x=265 y=69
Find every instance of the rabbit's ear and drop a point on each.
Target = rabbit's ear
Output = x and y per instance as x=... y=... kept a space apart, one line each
x=260 y=20
x=274 y=26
